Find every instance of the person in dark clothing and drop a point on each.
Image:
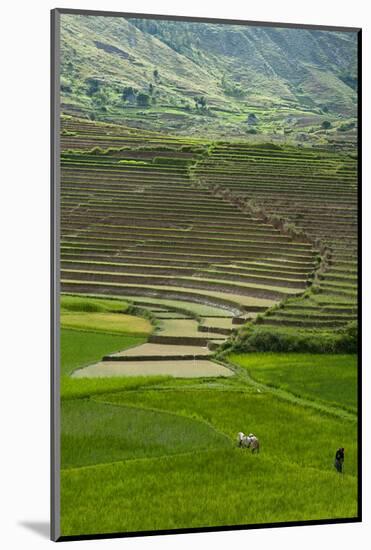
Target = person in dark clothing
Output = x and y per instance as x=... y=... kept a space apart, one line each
x=339 y=460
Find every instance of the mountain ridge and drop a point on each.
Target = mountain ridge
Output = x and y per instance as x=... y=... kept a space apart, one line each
x=191 y=76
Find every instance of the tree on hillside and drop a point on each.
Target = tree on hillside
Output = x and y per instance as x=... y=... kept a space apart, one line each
x=252 y=119
x=346 y=126
x=101 y=99
x=326 y=124
x=93 y=85
x=231 y=88
x=128 y=93
x=143 y=99
x=200 y=102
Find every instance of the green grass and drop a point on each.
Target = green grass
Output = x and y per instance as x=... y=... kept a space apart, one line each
x=80 y=388
x=88 y=304
x=329 y=378
x=198 y=59
x=291 y=480
x=94 y=433
x=80 y=348
x=224 y=487
x=101 y=315
x=280 y=338
x=259 y=412
x=159 y=453
x=90 y=331
x=106 y=322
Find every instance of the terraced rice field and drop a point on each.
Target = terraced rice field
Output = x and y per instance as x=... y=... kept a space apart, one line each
x=145 y=232
x=141 y=220
x=158 y=219
x=315 y=191
x=159 y=452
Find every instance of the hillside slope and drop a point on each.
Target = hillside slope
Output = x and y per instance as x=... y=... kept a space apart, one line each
x=218 y=79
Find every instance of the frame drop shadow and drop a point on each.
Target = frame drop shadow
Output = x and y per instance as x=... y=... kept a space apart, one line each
x=41 y=528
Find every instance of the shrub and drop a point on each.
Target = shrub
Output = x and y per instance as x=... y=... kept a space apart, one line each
x=276 y=220
x=128 y=93
x=96 y=151
x=232 y=88
x=143 y=99
x=93 y=85
x=346 y=126
x=131 y=161
x=200 y=101
x=282 y=339
x=252 y=119
x=288 y=226
x=348 y=338
x=68 y=133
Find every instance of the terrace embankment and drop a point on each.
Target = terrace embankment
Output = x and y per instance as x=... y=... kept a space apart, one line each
x=310 y=192
x=139 y=219
x=191 y=368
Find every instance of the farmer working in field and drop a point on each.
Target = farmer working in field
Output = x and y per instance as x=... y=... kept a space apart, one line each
x=339 y=460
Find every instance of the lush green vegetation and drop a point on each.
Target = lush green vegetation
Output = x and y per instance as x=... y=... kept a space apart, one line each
x=263 y=414
x=88 y=331
x=286 y=339
x=96 y=433
x=227 y=236
x=291 y=479
x=150 y=74
x=82 y=388
x=93 y=305
x=329 y=378
x=270 y=254
x=148 y=445
x=80 y=348
x=107 y=322
x=214 y=488
x=194 y=260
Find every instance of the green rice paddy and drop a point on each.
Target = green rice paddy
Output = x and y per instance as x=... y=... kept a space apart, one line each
x=159 y=452
x=148 y=453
